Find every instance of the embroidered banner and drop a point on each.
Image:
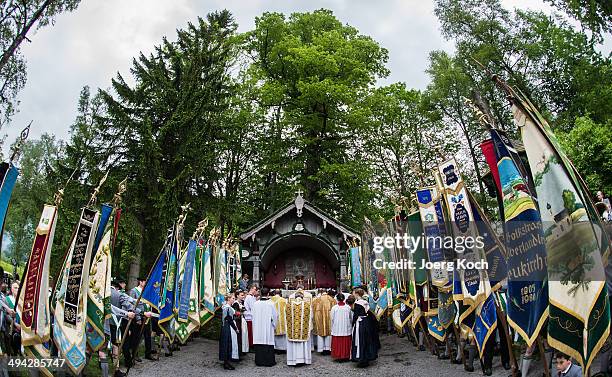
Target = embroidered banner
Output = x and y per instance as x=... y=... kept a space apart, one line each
x=427 y=199
x=33 y=302
x=71 y=300
x=355 y=260
x=579 y=312
x=98 y=294
x=474 y=284
x=526 y=251
x=207 y=286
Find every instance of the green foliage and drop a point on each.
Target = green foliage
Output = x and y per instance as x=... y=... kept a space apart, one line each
x=312 y=71
x=31 y=192
x=589 y=146
x=592 y=14
x=236 y=123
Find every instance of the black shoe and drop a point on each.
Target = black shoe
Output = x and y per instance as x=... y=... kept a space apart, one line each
x=168 y=354
x=443 y=357
x=119 y=373
x=149 y=357
x=138 y=359
x=488 y=372
x=228 y=366
x=363 y=364
x=421 y=348
x=506 y=365
x=468 y=368
x=455 y=361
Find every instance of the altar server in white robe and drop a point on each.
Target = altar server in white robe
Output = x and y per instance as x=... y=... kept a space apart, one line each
x=341 y=329
x=299 y=327
x=265 y=319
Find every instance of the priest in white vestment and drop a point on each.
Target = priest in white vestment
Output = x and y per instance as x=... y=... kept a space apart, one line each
x=321 y=306
x=299 y=327
x=280 y=338
x=265 y=319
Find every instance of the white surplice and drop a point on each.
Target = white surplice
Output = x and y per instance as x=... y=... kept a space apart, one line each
x=341 y=320
x=264 y=321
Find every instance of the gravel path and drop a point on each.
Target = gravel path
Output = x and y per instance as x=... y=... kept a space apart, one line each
x=397 y=358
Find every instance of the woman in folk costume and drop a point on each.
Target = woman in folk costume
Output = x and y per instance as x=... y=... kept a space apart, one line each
x=238 y=320
x=341 y=328
x=243 y=331
x=365 y=343
x=299 y=325
x=280 y=338
x=228 y=342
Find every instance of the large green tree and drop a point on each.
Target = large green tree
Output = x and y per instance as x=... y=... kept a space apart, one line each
x=313 y=70
x=31 y=192
x=165 y=131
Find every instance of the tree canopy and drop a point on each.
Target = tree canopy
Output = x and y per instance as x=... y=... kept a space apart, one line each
x=235 y=123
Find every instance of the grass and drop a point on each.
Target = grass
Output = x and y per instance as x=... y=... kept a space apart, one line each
x=8 y=267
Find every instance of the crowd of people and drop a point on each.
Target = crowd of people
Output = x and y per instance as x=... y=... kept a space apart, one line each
x=342 y=325
x=262 y=321
x=331 y=323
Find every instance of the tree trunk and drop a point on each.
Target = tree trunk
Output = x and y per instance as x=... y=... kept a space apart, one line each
x=134 y=271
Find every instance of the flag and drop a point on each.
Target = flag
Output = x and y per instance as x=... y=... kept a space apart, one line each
x=427 y=198
x=98 y=294
x=33 y=301
x=497 y=267
x=220 y=274
x=8 y=178
x=435 y=328
x=446 y=303
x=382 y=296
x=194 y=307
x=186 y=275
x=206 y=286
x=579 y=312
x=488 y=150
x=152 y=291
x=525 y=245
x=473 y=281
x=355 y=262
x=167 y=304
x=485 y=323
x=418 y=274
x=70 y=309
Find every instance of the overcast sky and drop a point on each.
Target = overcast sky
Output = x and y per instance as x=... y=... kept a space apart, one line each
x=90 y=45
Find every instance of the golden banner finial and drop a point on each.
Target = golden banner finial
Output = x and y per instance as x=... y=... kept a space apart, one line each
x=121 y=188
x=94 y=195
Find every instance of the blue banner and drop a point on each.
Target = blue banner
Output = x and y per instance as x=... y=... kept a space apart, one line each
x=355 y=267
x=497 y=268
x=151 y=294
x=105 y=213
x=8 y=174
x=525 y=247
x=186 y=283
x=485 y=323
